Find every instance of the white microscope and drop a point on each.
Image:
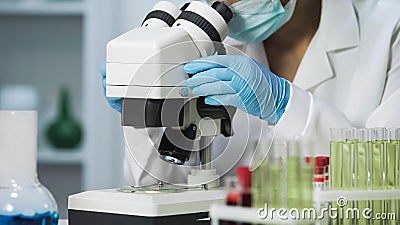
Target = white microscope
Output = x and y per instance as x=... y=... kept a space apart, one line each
x=145 y=69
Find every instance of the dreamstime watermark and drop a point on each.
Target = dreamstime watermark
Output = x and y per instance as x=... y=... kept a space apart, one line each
x=342 y=211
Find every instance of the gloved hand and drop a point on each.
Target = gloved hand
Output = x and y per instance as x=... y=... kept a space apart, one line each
x=115 y=103
x=241 y=82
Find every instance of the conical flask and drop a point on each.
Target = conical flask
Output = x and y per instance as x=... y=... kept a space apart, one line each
x=23 y=200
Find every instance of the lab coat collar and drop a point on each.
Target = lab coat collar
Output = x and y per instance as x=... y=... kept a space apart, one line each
x=315 y=66
x=338 y=29
x=338 y=25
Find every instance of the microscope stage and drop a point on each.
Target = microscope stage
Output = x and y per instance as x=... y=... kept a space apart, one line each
x=103 y=207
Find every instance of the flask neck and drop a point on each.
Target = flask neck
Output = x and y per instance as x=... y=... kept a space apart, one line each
x=18 y=140
x=19 y=182
x=64 y=111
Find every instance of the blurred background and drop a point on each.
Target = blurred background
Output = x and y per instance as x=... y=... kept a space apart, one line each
x=50 y=54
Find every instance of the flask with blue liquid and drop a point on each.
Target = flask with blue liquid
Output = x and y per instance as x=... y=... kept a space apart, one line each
x=23 y=200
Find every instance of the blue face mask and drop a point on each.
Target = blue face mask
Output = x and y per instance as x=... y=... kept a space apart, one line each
x=255 y=20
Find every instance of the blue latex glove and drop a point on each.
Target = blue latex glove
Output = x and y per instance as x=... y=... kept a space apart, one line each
x=241 y=82
x=115 y=103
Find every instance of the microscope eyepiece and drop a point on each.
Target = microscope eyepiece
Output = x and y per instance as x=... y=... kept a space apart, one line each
x=160 y=15
x=223 y=10
x=207 y=25
x=163 y=14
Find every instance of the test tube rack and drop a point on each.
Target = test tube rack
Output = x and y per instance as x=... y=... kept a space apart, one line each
x=220 y=212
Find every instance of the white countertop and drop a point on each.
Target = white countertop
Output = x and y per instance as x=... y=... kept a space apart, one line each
x=62 y=222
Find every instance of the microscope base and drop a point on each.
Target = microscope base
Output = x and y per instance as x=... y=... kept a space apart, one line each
x=105 y=207
x=77 y=217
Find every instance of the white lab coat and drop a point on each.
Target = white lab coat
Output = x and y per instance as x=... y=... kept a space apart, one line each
x=349 y=76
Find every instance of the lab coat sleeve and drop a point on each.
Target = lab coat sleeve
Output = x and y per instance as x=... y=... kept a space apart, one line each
x=310 y=117
x=142 y=164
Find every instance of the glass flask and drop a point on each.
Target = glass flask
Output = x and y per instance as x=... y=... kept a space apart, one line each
x=23 y=200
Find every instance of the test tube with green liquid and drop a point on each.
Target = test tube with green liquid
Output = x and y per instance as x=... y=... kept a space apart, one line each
x=306 y=172
x=349 y=166
x=259 y=186
x=379 y=169
x=276 y=175
x=306 y=177
x=336 y=149
x=335 y=168
x=397 y=174
x=259 y=179
x=392 y=164
x=392 y=149
x=363 y=169
x=293 y=175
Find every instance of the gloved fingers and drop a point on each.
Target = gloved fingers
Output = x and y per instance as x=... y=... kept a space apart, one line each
x=216 y=61
x=209 y=76
x=200 y=65
x=214 y=88
x=103 y=81
x=230 y=99
x=115 y=103
x=103 y=69
x=197 y=81
x=223 y=74
x=103 y=76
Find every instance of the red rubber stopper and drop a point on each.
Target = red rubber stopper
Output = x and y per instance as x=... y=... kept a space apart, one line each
x=326 y=159
x=320 y=164
x=244 y=176
x=320 y=161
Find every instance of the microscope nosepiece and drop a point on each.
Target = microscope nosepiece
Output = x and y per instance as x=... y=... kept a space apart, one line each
x=176 y=145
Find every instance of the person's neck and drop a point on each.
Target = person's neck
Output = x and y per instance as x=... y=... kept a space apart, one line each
x=301 y=27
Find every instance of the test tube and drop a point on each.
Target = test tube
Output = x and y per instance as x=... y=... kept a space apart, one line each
x=392 y=149
x=336 y=164
x=319 y=173
x=379 y=170
x=276 y=174
x=293 y=176
x=244 y=177
x=318 y=179
x=336 y=149
x=349 y=171
x=364 y=158
x=364 y=168
x=259 y=176
x=379 y=176
x=397 y=173
x=348 y=159
x=326 y=179
x=326 y=171
x=306 y=172
x=231 y=185
x=392 y=161
x=306 y=181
